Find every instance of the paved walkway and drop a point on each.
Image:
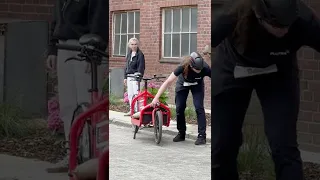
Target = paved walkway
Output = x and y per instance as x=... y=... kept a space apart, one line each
x=142 y=159
x=16 y=168
x=118 y=118
x=192 y=130
x=139 y=159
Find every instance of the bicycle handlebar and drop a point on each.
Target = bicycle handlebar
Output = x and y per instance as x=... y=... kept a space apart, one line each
x=139 y=77
x=80 y=48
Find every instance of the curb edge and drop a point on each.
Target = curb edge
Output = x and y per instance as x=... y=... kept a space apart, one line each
x=168 y=132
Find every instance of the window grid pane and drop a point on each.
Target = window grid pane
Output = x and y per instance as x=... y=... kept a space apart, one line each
x=194 y=20
x=121 y=24
x=137 y=22
x=130 y=22
x=124 y=23
x=181 y=39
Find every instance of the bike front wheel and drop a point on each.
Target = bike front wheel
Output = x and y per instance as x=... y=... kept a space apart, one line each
x=84 y=141
x=158 y=122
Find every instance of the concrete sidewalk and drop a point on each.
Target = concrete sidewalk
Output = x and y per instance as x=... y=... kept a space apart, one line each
x=118 y=118
x=17 y=168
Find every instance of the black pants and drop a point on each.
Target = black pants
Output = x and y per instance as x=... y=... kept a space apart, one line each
x=279 y=99
x=181 y=103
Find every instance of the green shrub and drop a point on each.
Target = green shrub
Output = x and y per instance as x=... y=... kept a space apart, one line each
x=113 y=100
x=190 y=111
x=11 y=123
x=153 y=89
x=173 y=112
x=254 y=160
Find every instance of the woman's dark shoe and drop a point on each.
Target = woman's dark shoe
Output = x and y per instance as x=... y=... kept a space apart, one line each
x=180 y=137
x=201 y=140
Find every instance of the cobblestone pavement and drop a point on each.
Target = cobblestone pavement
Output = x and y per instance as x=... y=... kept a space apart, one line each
x=142 y=159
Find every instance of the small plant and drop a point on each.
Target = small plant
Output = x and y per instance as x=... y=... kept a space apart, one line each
x=55 y=123
x=254 y=160
x=153 y=88
x=190 y=111
x=113 y=100
x=11 y=123
x=173 y=113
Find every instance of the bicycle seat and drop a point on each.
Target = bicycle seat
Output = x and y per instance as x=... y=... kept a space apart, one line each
x=91 y=39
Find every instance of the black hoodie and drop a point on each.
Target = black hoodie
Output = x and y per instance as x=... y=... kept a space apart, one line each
x=262 y=51
x=74 y=18
x=136 y=65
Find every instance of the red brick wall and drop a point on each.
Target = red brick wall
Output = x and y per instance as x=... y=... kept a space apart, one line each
x=309 y=121
x=26 y=9
x=150 y=33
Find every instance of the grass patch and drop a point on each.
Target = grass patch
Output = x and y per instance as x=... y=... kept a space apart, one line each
x=12 y=124
x=114 y=100
x=173 y=112
x=190 y=111
x=254 y=160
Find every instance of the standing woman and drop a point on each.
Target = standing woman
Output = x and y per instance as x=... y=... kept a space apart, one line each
x=256 y=48
x=135 y=63
x=190 y=76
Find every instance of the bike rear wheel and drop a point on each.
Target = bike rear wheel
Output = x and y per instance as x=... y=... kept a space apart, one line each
x=84 y=141
x=158 y=122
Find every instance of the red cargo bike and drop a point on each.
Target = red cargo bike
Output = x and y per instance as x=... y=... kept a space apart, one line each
x=143 y=114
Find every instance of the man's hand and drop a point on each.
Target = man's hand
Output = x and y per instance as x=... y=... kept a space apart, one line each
x=52 y=62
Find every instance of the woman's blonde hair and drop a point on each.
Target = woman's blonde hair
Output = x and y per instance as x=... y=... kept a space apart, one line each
x=133 y=39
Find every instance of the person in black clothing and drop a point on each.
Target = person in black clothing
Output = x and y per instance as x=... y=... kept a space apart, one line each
x=71 y=20
x=135 y=63
x=256 y=45
x=190 y=76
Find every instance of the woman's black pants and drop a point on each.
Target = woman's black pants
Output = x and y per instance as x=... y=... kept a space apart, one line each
x=181 y=104
x=279 y=98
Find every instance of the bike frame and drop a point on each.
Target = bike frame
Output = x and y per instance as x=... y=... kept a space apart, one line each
x=145 y=94
x=97 y=107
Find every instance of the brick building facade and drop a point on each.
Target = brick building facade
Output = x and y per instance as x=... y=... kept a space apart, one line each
x=150 y=35
x=191 y=18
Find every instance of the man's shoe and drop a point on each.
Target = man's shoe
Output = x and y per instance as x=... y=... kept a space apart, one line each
x=201 y=140
x=180 y=137
x=60 y=167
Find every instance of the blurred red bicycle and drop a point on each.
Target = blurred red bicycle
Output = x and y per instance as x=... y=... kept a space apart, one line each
x=90 y=120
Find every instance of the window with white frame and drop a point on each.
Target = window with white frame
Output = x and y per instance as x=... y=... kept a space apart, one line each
x=126 y=25
x=179 y=31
